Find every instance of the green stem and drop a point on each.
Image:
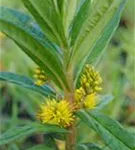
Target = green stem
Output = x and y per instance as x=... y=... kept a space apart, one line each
x=69 y=95
x=71 y=138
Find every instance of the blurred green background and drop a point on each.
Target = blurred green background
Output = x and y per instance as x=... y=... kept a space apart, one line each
x=117 y=68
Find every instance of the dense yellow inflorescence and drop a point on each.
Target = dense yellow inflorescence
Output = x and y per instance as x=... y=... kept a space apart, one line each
x=40 y=77
x=62 y=112
x=58 y=113
x=90 y=82
x=90 y=101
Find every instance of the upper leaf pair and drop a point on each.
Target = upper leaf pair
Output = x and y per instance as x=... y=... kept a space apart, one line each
x=71 y=33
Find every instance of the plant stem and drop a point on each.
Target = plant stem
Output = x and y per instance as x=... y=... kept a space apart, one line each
x=69 y=95
x=71 y=138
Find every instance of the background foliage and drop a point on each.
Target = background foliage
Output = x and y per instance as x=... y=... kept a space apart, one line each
x=116 y=67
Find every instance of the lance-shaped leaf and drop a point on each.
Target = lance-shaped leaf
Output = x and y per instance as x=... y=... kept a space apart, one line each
x=19 y=28
x=26 y=83
x=101 y=15
x=79 y=19
x=114 y=135
x=103 y=41
x=47 y=15
x=41 y=64
x=16 y=133
x=67 y=10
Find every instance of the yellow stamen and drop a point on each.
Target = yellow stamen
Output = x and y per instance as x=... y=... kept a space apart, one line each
x=58 y=113
x=90 y=101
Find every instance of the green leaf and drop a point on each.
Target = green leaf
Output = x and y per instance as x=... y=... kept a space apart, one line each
x=41 y=64
x=104 y=100
x=12 y=22
x=16 y=133
x=101 y=16
x=26 y=83
x=114 y=135
x=47 y=15
x=104 y=39
x=88 y=146
x=40 y=147
x=79 y=19
x=30 y=25
x=68 y=10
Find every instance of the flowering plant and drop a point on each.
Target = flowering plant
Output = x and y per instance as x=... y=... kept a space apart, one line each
x=65 y=39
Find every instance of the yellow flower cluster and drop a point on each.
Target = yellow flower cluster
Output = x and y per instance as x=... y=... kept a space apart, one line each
x=90 y=101
x=62 y=112
x=40 y=77
x=58 y=113
x=90 y=82
x=79 y=95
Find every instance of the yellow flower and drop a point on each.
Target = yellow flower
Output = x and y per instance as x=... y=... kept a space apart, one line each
x=90 y=101
x=40 y=76
x=58 y=113
x=79 y=93
x=90 y=80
